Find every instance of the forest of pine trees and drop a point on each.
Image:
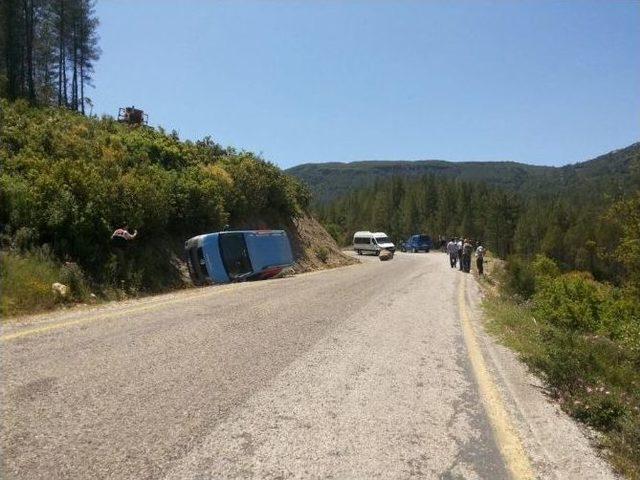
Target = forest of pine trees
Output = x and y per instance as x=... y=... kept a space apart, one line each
x=578 y=235
x=436 y=206
x=48 y=51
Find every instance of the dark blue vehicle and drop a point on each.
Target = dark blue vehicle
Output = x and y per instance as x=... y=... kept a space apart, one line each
x=415 y=243
x=223 y=257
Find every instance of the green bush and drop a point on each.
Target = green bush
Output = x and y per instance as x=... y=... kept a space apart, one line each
x=544 y=268
x=73 y=277
x=621 y=320
x=25 y=238
x=519 y=278
x=573 y=301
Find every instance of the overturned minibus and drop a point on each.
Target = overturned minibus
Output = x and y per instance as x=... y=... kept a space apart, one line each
x=234 y=256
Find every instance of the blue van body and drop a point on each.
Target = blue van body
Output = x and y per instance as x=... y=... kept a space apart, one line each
x=223 y=257
x=415 y=243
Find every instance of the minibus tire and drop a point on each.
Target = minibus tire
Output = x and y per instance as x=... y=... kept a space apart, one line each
x=377 y=252
x=359 y=252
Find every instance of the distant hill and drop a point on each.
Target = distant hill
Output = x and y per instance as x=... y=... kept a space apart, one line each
x=606 y=174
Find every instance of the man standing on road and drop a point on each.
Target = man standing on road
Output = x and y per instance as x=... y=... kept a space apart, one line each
x=467 y=249
x=459 y=245
x=480 y=259
x=452 y=250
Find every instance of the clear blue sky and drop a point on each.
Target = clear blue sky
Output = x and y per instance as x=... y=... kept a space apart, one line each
x=544 y=82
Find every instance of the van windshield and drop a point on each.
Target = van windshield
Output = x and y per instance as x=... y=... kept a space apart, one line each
x=383 y=240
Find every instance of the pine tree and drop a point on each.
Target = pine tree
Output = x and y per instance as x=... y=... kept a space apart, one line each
x=49 y=48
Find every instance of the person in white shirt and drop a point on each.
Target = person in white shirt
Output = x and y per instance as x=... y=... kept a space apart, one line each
x=452 y=250
x=459 y=245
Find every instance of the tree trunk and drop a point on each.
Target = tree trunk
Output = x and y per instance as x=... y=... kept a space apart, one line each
x=12 y=47
x=61 y=66
x=82 y=42
x=81 y=83
x=74 y=81
x=29 y=19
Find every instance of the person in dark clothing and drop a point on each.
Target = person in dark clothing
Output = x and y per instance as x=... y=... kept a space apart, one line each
x=480 y=259
x=467 y=249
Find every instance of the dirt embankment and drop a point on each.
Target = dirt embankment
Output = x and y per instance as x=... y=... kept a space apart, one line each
x=313 y=247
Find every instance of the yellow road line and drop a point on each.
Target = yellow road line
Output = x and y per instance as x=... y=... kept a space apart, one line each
x=506 y=436
x=108 y=315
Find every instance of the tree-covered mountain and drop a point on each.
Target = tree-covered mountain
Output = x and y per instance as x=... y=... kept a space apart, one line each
x=608 y=174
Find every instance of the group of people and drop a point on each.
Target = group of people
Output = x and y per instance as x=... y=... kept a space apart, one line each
x=460 y=251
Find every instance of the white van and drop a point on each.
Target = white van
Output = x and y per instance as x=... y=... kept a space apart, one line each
x=364 y=242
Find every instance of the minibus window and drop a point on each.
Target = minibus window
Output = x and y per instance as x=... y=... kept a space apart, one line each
x=235 y=255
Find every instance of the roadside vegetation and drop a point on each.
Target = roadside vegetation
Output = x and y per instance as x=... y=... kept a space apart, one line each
x=67 y=181
x=582 y=336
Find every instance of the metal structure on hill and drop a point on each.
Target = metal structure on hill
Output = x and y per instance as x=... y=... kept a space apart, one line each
x=133 y=116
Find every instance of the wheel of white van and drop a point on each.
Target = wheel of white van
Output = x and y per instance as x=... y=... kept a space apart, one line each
x=359 y=252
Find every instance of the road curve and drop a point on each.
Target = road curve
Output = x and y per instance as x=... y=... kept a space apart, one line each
x=359 y=372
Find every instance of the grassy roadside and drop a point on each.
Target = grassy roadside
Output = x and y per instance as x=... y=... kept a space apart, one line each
x=27 y=280
x=583 y=338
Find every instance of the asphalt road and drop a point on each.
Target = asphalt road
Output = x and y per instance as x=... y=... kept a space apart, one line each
x=379 y=370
